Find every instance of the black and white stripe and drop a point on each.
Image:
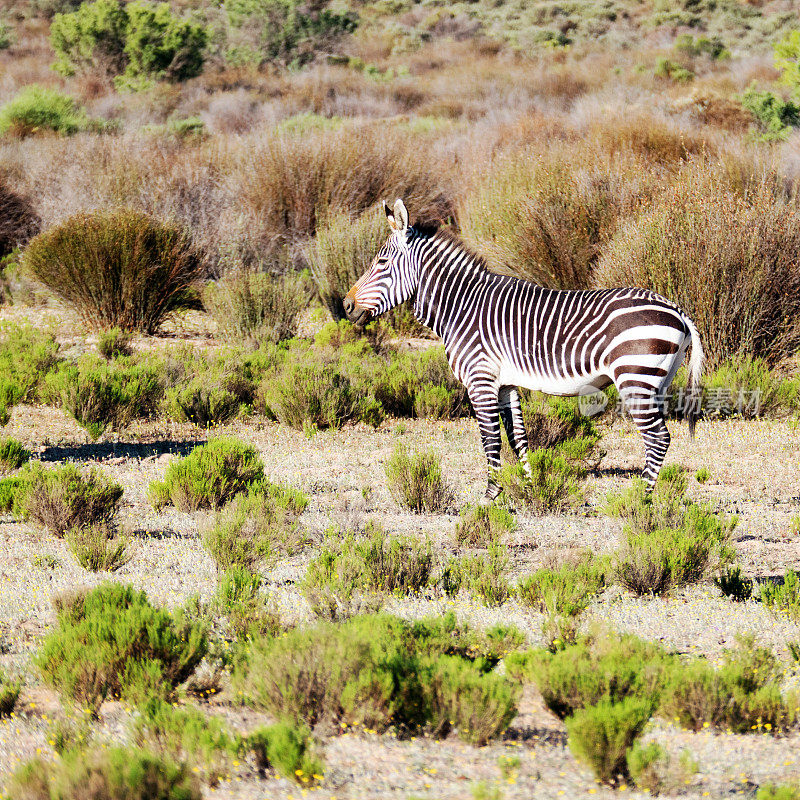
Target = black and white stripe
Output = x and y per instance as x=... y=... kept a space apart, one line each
x=501 y=333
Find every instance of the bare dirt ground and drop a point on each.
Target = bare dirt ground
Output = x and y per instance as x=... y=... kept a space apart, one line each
x=755 y=469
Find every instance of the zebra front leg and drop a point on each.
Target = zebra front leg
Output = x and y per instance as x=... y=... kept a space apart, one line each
x=511 y=414
x=484 y=398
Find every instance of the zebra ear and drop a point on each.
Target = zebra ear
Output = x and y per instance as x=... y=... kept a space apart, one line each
x=400 y=214
x=387 y=209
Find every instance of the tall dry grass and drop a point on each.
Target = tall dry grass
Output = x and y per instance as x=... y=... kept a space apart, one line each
x=728 y=255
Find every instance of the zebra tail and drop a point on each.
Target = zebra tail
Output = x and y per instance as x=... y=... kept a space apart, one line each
x=695 y=372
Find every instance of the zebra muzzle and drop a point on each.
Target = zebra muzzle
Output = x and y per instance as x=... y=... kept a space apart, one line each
x=355 y=313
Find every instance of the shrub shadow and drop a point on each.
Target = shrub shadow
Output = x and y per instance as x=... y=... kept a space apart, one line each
x=99 y=451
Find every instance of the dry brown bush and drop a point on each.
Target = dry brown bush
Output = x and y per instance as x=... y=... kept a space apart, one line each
x=544 y=214
x=290 y=183
x=730 y=259
x=18 y=220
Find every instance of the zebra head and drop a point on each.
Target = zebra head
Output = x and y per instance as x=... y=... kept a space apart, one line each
x=390 y=280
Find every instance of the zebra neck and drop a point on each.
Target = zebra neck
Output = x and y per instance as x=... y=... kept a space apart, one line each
x=450 y=280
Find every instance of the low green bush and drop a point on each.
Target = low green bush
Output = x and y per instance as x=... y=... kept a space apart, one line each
x=37 y=109
x=416 y=481
x=289 y=750
x=785 y=791
x=478 y=706
x=349 y=566
x=482 y=576
x=64 y=498
x=702 y=475
x=551 y=422
x=732 y=583
x=99 y=394
x=240 y=599
x=563 y=593
x=27 y=355
x=742 y=695
x=602 y=735
x=201 y=403
x=187 y=734
x=643 y=763
x=114 y=343
x=783 y=598
x=97 y=549
x=669 y=540
x=545 y=482
x=774 y=117
x=9 y=489
x=210 y=476
x=481 y=526
x=255 y=307
x=670 y=70
x=110 y=773
x=9 y=694
x=596 y=668
x=255 y=526
x=111 y=642
x=376 y=671
x=12 y=455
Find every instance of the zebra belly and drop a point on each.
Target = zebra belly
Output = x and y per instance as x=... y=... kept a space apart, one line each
x=567 y=385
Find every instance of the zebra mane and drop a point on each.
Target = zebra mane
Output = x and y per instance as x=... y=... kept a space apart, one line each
x=444 y=233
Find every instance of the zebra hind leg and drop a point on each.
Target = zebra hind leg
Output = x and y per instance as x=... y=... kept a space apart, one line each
x=484 y=398
x=648 y=416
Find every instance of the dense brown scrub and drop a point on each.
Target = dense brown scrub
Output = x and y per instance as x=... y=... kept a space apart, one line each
x=18 y=220
x=290 y=183
x=730 y=258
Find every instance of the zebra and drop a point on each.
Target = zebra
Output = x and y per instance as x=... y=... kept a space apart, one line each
x=502 y=332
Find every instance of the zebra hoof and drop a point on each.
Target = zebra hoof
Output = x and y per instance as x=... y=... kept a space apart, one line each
x=492 y=493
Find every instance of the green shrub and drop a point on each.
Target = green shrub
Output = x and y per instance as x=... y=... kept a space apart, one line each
x=702 y=475
x=655 y=562
x=714 y=47
x=416 y=482
x=349 y=566
x=111 y=642
x=118 y=268
x=787 y=59
x=210 y=476
x=554 y=421
x=239 y=598
x=597 y=668
x=786 y=791
x=643 y=766
x=38 y=109
x=602 y=735
x=479 y=706
x=545 y=482
x=375 y=671
x=188 y=734
x=9 y=694
x=743 y=695
x=664 y=507
x=288 y=749
x=27 y=355
x=141 y=40
x=63 y=498
x=743 y=385
x=114 y=343
x=287 y=31
x=255 y=307
x=670 y=70
x=255 y=526
x=99 y=394
x=7 y=37
x=783 y=598
x=482 y=576
x=563 y=593
x=733 y=584
x=97 y=549
x=113 y=773
x=201 y=404
x=481 y=526
x=309 y=391
x=12 y=454
x=9 y=489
